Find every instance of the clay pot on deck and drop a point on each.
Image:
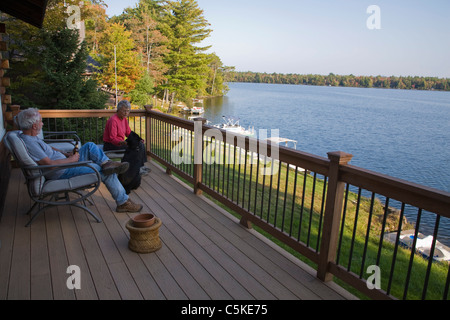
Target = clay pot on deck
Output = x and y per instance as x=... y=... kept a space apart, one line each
x=143 y=220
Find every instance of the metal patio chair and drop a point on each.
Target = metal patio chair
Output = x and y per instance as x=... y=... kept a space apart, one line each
x=49 y=193
x=65 y=141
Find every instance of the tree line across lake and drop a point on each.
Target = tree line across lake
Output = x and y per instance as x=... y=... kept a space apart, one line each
x=392 y=82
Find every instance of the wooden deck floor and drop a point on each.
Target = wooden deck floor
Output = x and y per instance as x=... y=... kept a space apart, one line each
x=206 y=254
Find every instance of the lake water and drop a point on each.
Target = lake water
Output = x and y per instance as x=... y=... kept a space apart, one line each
x=402 y=133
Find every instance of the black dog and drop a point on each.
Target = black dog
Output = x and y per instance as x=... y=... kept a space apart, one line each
x=135 y=155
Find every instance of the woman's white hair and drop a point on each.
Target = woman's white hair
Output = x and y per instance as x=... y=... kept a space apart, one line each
x=123 y=104
x=28 y=117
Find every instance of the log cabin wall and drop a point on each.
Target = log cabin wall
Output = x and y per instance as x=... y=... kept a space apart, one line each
x=5 y=172
x=33 y=13
x=5 y=101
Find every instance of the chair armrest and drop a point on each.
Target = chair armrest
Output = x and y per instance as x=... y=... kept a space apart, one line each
x=60 y=132
x=58 y=167
x=48 y=134
x=114 y=151
x=59 y=140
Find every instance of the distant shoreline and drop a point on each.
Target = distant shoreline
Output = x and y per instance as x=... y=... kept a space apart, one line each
x=332 y=80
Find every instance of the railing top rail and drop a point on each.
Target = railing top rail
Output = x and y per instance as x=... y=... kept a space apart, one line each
x=301 y=159
x=420 y=196
x=86 y=113
x=179 y=122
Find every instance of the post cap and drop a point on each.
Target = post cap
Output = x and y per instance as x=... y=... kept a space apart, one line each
x=340 y=157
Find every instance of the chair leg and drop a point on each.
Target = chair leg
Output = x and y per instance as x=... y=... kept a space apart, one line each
x=88 y=211
x=36 y=214
x=90 y=201
x=31 y=209
x=74 y=204
x=82 y=195
x=48 y=206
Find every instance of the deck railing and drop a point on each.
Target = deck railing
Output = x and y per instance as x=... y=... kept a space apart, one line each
x=346 y=220
x=89 y=124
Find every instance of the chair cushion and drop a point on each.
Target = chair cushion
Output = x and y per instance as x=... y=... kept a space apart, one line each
x=20 y=152
x=112 y=154
x=74 y=183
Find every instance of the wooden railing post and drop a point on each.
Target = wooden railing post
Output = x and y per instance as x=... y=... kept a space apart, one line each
x=148 y=131
x=198 y=154
x=332 y=216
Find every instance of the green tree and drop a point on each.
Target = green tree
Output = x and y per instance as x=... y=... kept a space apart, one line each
x=216 y=85
x=50 y=73
x=62 y=85
x=142 y=93
x=48 y=64
x=185 y=27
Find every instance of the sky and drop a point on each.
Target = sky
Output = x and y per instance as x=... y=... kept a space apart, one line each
x=394 y=38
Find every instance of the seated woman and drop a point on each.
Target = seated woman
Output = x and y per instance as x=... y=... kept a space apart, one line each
x=116 y=129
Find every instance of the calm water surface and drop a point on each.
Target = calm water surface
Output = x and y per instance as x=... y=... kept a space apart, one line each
x=402 y=133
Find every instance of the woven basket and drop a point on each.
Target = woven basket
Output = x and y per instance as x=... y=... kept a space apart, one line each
x=144 y=240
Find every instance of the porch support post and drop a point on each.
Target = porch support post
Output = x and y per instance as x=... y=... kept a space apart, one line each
x=148 y=132
x=332 y=216
x=198 y=154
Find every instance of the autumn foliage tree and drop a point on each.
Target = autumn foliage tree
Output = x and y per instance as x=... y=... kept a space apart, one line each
x=116 y=56
x=148 y=39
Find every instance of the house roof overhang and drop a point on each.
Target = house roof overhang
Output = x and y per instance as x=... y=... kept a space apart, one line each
x=30 y=11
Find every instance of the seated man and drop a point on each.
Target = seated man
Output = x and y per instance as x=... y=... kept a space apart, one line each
x=30 y=122
x=116 y=129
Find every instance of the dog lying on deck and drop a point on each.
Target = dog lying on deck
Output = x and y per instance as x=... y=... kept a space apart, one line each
x=135 y=155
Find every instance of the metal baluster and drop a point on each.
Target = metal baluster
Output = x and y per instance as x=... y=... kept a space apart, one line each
x=344 y=212
x=380 y=246
x=302 y=206
x=278 y=193
x=431 y=254
x=285 y=195
x=413 y=252
x=293 y=201
x=319 y=232
x=394 y=256
x=369 y=222
x=354 y=230
x=311 y=212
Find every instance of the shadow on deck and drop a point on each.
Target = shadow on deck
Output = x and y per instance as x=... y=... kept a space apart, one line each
x=206 y=253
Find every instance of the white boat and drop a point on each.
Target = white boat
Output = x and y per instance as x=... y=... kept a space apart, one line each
x=185 y=109
x=287 y=142
x=423 y=244
x=231 y=124
x=197 y=110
